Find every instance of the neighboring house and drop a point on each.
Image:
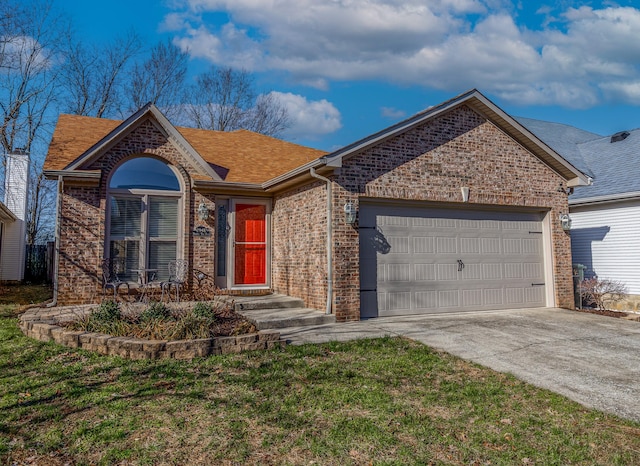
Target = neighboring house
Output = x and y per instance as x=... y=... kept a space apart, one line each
x=606 y=215
x=13 y=214
x=455 y=208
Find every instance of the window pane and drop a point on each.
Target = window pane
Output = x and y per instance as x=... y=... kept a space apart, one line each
x=160 y=253
x=144 y=173
x=163 y=218
x=128 y=252
x=125 y=217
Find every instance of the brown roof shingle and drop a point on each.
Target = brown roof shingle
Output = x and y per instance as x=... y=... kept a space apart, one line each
x=243 y=156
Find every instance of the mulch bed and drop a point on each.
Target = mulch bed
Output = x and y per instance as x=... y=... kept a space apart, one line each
x=605 y=312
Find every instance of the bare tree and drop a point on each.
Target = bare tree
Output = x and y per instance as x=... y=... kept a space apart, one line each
x=159 y=79
x=94 y=77
x=28 y=54
x=224 y=99
x=40 y=198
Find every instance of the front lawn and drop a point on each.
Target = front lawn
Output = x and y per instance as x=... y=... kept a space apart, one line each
x=384 y=401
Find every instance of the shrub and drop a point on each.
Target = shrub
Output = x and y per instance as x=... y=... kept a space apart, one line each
x=597 y=291
x=155 y=311
x=203 y=310
x=190 y=327
x=107 y=311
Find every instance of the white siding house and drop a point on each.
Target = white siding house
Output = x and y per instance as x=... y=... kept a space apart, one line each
x=605 y=231
x=13 y=214
x=606 y=239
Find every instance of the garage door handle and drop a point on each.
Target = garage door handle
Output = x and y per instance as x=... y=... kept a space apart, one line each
x=460 y=265
x=537 y=284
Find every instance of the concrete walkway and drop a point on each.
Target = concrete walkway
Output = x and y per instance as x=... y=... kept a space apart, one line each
x=591 y=359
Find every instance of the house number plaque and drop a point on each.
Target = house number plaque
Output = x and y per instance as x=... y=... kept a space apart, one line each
x=201 y=231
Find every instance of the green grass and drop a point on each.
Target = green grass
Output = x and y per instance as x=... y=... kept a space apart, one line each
x=383 y=401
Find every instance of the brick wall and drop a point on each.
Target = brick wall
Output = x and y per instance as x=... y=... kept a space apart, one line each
x=299 y=252
x=431 y=163
x=83 y=217
x=81 y=226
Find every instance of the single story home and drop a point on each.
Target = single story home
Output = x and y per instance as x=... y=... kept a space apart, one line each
x=455 y=208
x=13 y=215
x=606 y=215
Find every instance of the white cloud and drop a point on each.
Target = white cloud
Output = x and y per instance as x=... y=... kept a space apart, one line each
x=436 y=43
x=309 y=119
x=393 y=113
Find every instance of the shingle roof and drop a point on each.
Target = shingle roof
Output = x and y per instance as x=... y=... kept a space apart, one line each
x=564 y=139
x=612 y=165
x=237 y=156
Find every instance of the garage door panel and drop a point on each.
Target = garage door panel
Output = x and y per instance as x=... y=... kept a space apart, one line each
x=410 y=258
x=513 y=271
x=492 y=271
x=447 y=272
x=426 y=300
x=424 y=245
x=472 y=298
x=515 y=296
x=472 y=272
x=398 y=272
x=532 y=246
x=398 y=244
x=424 y=272
x=470 y=245
x=399 y=300
x=512 y=245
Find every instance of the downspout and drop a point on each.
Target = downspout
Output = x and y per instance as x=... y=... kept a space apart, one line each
x=56 y=244
x=313 y=173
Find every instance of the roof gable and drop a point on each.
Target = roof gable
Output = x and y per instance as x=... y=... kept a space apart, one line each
x=237 y=156
x=480 y=104
x=148 y=112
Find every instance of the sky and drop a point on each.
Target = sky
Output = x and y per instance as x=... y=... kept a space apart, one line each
x=345 y=69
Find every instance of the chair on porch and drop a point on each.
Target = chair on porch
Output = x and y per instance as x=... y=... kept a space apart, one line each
x=177 y=277
x=110 y=279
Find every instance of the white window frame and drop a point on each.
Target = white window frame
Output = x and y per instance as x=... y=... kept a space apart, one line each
x=143 y=195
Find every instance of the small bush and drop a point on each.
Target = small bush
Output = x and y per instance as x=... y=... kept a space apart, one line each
x=203 y=310
x=155 y=311
x=190 y=327
x=108 y=311
x=597 y=291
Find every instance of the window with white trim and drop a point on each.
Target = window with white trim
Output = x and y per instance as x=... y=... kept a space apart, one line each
x=145 y=202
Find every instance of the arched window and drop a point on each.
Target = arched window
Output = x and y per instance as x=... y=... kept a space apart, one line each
x=145 y=201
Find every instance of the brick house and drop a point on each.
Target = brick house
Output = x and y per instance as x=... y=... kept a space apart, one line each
x=455 y=208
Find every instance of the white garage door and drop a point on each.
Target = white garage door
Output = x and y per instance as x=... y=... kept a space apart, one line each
x=418 y=260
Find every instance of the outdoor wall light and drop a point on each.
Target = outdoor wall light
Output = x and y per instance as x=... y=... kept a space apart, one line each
x=565 y=222
x=203 y=211
x=350 y=213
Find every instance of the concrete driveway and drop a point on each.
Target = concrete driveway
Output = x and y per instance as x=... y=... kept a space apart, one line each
x=591 y=359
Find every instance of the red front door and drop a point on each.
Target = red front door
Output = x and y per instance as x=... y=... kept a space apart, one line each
x=250 y=241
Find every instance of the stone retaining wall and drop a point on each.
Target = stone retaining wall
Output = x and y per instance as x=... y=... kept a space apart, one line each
x=135 y=348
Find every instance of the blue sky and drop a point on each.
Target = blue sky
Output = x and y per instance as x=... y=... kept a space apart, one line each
x=347 y=68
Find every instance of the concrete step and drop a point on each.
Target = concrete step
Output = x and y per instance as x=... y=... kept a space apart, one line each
x=286 y=317
x=272 y=301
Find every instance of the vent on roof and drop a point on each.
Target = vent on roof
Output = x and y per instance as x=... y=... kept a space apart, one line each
x=620 y=136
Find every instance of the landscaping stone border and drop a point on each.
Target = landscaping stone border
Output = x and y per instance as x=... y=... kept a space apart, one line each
x=42 y=325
